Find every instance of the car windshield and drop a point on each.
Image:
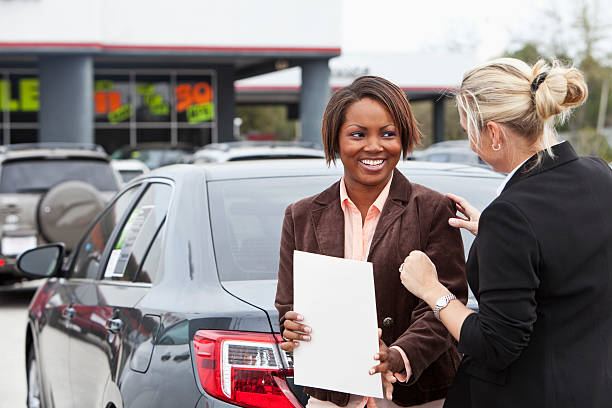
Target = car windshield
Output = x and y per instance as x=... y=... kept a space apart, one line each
x=247 y=216
x=40 y=175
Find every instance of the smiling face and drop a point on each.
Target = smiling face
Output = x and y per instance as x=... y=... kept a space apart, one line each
x=369 y=144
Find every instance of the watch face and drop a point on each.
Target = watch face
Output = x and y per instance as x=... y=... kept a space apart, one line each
x=441 y=302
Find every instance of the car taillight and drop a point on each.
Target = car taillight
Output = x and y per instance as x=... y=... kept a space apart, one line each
x=244 y=368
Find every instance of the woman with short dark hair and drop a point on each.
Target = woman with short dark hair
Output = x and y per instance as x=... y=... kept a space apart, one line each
x=374 y=213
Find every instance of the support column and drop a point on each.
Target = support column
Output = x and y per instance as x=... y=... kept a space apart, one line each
x=438 y=119
x=226 y=104
x=313 y=99
x=66 y=99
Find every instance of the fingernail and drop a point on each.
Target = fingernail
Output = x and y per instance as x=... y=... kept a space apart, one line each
x=376 y=356
x=307 y=338
x=372 y=371
x=300 y=317
x=307 y=329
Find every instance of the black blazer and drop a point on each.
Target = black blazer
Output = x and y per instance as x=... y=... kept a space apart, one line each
x=541 y=269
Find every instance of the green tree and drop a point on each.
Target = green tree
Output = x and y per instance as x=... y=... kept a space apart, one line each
x=589 y=55
x=528 y=53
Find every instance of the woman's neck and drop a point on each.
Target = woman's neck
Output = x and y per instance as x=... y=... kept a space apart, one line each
x=524 y=152
x=363 y=196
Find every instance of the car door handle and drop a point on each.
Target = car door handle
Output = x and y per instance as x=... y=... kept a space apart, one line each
x=69 y=313
x=114 y=325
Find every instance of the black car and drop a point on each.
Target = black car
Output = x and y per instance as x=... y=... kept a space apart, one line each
x=167 y=301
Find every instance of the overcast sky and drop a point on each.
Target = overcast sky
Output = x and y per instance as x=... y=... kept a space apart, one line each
x=483 y=27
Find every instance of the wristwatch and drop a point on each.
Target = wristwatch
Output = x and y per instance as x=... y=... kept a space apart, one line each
x=442 y=303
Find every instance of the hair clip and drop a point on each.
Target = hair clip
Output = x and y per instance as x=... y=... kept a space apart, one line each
x=535 y=84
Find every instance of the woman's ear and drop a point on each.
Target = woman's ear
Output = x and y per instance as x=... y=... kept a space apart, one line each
x=496 y=133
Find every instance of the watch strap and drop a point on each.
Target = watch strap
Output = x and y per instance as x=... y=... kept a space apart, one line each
x=442 y=303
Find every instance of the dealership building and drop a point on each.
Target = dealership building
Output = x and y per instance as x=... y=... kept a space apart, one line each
x=116 y=73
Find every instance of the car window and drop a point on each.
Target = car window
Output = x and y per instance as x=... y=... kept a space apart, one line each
x=88 y=256
x=247 y=215
x=129 y=175
x=148 y=273
x=40 y=175
x=135 y=238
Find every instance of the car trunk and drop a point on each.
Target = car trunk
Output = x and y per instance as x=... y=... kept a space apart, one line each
x=261 y=293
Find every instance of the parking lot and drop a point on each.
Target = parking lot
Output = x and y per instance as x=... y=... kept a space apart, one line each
x=14 y=302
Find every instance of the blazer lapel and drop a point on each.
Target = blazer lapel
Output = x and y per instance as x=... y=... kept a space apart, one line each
x=328 y=220
x=394 y=207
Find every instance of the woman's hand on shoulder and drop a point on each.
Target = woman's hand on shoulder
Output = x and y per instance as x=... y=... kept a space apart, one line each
x=472 y=215
x=294 y=331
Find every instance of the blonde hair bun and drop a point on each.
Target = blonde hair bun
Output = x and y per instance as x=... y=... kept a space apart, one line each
x=526 y=99
x=562 y=89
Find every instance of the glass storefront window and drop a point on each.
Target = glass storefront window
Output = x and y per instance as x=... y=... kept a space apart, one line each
x=154 y=134
x=130 y=106
x=112 y=139
x=153 y=98
x=195 y=99
x=19 y=106
x=112 y=99
x=195 y=136
x=24 y=135
x=19 y=97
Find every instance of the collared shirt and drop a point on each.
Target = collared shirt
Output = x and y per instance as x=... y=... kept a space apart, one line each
x=508 y=177
x=358 y=235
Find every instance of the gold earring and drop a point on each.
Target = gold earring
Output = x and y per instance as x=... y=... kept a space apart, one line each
x=496 y=149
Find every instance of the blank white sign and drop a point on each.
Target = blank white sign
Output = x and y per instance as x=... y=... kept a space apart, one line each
x=336 y=297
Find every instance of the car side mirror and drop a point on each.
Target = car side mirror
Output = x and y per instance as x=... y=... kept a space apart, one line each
x=41 y=262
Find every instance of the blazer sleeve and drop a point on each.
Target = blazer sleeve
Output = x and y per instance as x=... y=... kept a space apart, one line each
x=426 y=339
x=507 y=259
x=284 y=289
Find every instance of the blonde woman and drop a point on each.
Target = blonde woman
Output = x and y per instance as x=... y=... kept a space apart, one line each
x=541 y=263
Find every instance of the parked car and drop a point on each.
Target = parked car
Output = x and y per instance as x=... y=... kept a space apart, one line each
x=156 y=155
x=255 y=150
x=48 y=193
x=168 y=298
x=129 y=169
x=450 y=151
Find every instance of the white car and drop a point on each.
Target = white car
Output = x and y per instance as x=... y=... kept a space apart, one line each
x=255 y=150
x=129 y=169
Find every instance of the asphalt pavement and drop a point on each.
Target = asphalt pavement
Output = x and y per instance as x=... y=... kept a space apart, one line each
x=14 y=301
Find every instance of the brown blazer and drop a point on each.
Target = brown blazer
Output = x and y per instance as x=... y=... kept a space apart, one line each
x=414 y=217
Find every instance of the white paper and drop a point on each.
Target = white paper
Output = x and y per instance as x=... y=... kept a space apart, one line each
x=336 y=297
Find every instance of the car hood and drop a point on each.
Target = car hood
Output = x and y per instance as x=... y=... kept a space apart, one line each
x=259 y=293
